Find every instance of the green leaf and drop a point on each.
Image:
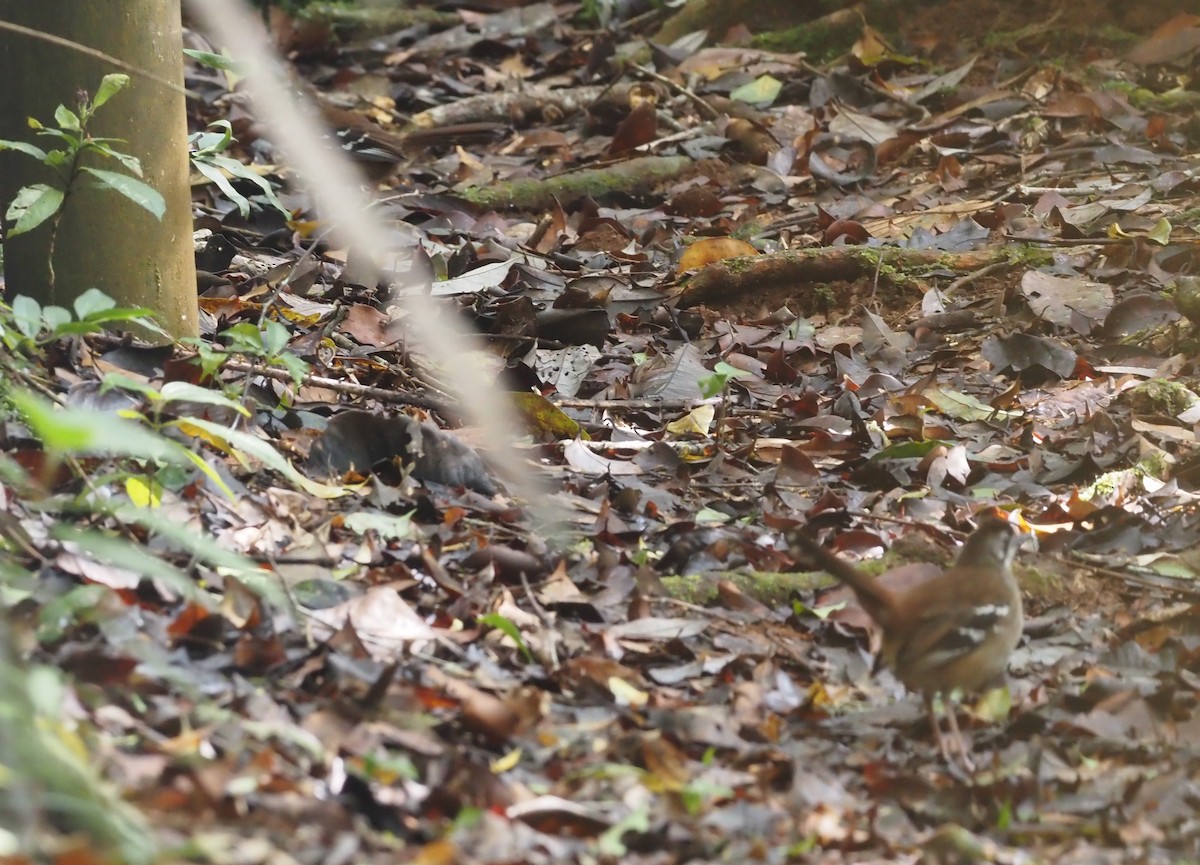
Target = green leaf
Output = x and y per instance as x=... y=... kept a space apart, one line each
x=908 y=450
x=506 y=627
x=122 y=553
x=207 y=143
x=33 y=206
x=821 y=613
x=55 y=317
x=205 y=547
x=215 y=61
x=72 y=138
x=95 y=322
x=98 y=315
x=609 y=844
x=110 y=85
x=245 y=172
x=217 y=176
x=711 y=385
x=182 y=391
x=121 y=313
x=275 y=337
x=66 y=610
x=139 y=193
x=27 y=315
x=24 y=147
x=82 y=432
x=204 y=144
x=131 y=163
x=726 y=369
x=962 y=406
x=244 y=337
x=1161 y=232
x=712 y=517
x=91 y=301
x=120 y=381
x=211 y=473
x=295 y=366
x=66 y=118
x=761 y=92
x=387 y=526
x=262 y=451
x=58 y=158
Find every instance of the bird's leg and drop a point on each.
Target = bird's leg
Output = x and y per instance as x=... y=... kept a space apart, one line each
x=960 y=744
x=935 y=723
x=952 y=747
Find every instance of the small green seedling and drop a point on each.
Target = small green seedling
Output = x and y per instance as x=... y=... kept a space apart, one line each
x=39 y=202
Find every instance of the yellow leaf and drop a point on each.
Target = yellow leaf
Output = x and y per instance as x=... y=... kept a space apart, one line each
x=508 y=761
x=697 y=421
x=143 y=491
x=712 y=249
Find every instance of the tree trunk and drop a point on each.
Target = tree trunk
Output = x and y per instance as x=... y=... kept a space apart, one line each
x=104 y=240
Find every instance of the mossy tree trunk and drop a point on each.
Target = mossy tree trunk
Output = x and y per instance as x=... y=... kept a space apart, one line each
x=103 y=240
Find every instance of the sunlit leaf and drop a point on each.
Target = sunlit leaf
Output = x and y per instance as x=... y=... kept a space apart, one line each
x=510 y=630
x=92 y=301
x=110 y=85
x=141 y=194
x=24 y=147
x=83 y=432
x=32 y=206
x=263 y=452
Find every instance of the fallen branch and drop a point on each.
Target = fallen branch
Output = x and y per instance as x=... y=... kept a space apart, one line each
x=738 y=278
x=629 y=176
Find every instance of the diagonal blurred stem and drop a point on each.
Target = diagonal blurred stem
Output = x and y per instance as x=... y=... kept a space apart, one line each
x=341 y=201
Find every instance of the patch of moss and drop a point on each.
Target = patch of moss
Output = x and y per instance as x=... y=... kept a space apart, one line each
x=1156 y=463
x=693 y=588
x=1170 y=100
x=1159 y=396
x=824 y=297
x=1029 y=255
x=773 y=588
x=1116 y=37
x=820 y=42
x=1185 y=291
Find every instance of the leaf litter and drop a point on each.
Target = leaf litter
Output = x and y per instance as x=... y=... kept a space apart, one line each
x=961 y=295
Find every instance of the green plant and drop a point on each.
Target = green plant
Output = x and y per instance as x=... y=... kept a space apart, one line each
x=148 y=451
x=265 y=341
x=48 y=769
x=509 y=629
x=208 y=158
x=27 y=326
x=716 y=383
x=39 y=202
x=596 y=13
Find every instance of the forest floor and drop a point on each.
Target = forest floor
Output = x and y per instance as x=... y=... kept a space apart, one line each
x=944 y=269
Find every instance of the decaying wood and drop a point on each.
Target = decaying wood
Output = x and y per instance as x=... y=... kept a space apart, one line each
x=631 y=175
x=528 y=102
x=738 y=277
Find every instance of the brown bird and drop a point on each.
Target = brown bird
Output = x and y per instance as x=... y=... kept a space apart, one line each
x=955 y=630
x=376 y=150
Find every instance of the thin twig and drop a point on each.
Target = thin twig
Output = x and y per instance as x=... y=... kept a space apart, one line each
x=392 y=397
x=705 y=109
x=647 y=404
x=98 y=55
x=974 y=275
